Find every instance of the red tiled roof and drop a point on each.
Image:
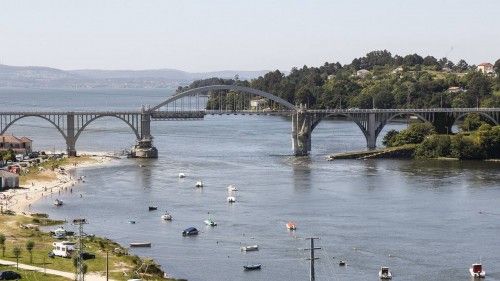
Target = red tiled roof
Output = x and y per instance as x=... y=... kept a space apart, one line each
x=25 y=139
x=485 y=64
x=9 y=139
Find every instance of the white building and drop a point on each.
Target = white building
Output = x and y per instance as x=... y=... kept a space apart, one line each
x=8 y=180
x=258 y=104
x=485 y=68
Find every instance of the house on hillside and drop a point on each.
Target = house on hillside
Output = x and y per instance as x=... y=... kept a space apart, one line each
x=455 y=89
x=8 y=180
x=21 y=145
x=485 y=67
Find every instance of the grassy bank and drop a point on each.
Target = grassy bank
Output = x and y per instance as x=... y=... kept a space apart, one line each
x=122 y=266
x=45 y=171
x=32 y=275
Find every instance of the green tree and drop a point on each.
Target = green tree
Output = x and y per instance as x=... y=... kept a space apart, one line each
x=464 y=148
x=478 y=86
x=496 y=66
x=434 y=146
x=2 y=244
x=30 y=244
x=17 y=253
x=471 y=122
x=415 y=133
x=389 y=138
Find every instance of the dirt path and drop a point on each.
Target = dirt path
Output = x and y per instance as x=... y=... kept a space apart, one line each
x=69 y=275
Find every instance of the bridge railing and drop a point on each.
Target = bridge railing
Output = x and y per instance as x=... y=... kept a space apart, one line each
x=403 y=110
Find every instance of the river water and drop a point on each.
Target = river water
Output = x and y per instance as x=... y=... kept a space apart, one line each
x=426 y=220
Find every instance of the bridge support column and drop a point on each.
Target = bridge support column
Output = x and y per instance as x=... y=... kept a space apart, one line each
x=371 y=131
x=442 y=122
x=301 y=133
x=70 y=135
x=144 y=147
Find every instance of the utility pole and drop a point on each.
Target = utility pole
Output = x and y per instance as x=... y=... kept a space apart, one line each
x=107 y=266
x=312 y=276
x=80 y=274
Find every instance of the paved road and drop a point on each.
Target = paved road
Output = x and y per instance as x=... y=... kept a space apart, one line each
x=69 y=275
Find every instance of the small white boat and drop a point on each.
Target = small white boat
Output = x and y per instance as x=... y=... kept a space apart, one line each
x=199 y=184
x=250 y=248
x=384 y=273
x=341 y=263
x=182 y=175
x=210 y=222
x=166 y=217
x=58 y=202
x=231 y=188
x=477 y=271
x=231 y=199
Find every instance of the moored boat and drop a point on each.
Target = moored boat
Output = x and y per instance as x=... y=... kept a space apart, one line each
x=252 y=266
x=250 y=248
x=140 y=244
x=231 y=199
x=210 y=222
x=166 y=217
x=341 y=263
x=291 y=226
x=190 y=231
x=152 y=208
x=231 y=188
x=384 y=273
x=58 y=202
x=182 y=175
x=199 y=184
x=477 y=271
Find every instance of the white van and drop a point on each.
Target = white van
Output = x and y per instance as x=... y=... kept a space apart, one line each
x=63 y=249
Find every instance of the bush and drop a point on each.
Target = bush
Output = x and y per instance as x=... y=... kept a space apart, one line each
x=434 y=146
x=415 y=134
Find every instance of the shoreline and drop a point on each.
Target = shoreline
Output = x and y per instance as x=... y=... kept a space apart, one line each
x=20 y=199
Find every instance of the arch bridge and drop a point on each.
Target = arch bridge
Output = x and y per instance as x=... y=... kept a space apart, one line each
x=234 y=99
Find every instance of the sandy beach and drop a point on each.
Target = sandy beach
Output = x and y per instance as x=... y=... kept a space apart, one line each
x=50 y=183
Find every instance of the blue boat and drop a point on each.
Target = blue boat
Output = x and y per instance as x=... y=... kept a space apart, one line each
x=190 y=231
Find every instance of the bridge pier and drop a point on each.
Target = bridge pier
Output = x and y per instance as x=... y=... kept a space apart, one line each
x=70 y=135
x=371 y=131
x=301 y=132
x=144 y=146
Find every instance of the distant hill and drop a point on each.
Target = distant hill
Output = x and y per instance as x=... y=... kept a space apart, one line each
x=46 y=77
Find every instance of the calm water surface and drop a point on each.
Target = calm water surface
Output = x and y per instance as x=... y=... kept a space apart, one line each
x=421 y=218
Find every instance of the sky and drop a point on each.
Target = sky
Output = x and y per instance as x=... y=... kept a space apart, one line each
x=209 y=35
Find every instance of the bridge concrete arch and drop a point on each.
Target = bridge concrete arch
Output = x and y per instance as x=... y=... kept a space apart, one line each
x=242 y=89
x=12 y=121
x=483 y=114
x=88 y=122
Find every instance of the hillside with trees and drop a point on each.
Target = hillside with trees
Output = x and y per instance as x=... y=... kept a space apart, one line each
x=380 y=80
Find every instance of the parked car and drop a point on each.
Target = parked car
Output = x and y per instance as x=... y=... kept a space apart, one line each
x=9 y=275
x=87 y=256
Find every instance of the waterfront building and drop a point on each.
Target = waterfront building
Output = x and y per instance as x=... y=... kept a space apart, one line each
x=485 y=67
x=258 y=104
x=8 y=180
x=21 y=145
